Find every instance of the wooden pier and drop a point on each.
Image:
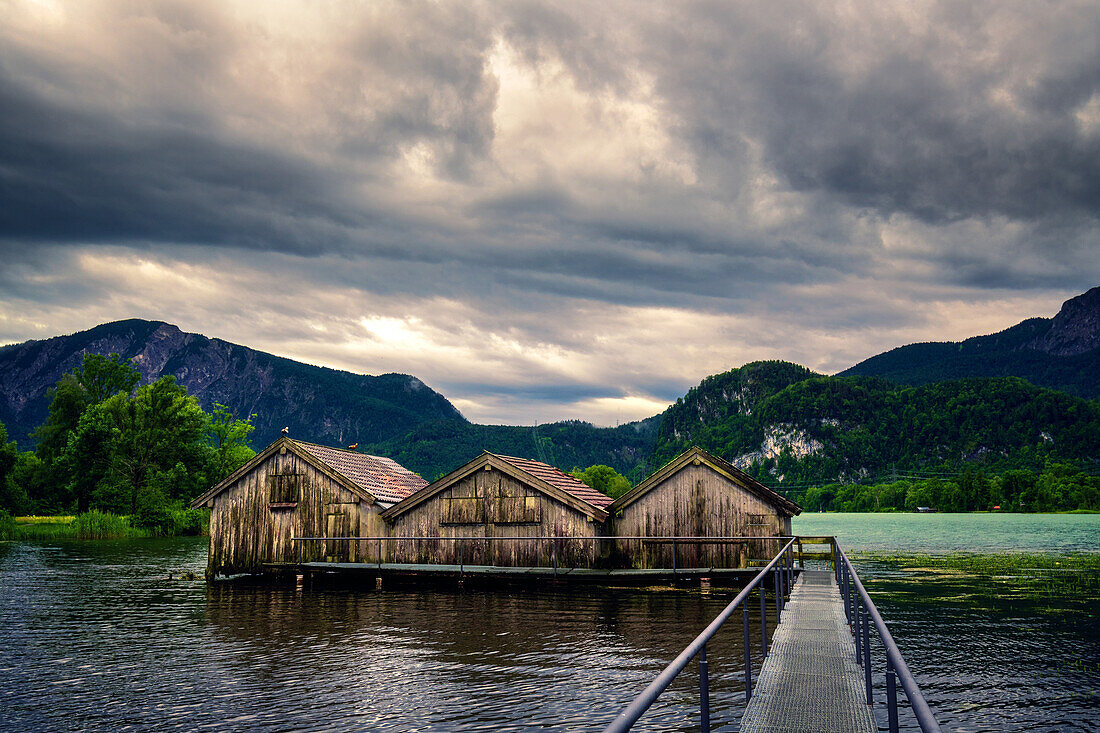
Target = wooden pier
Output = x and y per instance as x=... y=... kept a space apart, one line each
x=399 y=572
x=810 y=681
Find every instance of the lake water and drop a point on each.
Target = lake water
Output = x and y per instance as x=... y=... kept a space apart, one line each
x=94 y=636
x=904 y=532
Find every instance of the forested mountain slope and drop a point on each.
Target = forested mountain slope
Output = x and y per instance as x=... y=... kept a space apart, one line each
x=821 y=429
x=434 y=449
x=1060 y=353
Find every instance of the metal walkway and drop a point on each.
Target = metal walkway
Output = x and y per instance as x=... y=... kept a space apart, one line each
x=810 y=680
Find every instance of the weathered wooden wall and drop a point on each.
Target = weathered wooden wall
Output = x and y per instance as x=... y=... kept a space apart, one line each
x=696 y=501
x=246 y=531
x=494 y=504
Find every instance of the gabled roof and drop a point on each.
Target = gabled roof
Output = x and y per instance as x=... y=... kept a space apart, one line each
x=385 y=479
x=538 y=475
x=698 y=456
x=372 y=478
x=563 y=481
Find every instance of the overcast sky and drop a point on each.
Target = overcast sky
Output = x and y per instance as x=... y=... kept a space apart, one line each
x=544 y=210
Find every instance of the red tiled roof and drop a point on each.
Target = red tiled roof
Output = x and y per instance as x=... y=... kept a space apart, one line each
x=563 y=481
x=383 y=478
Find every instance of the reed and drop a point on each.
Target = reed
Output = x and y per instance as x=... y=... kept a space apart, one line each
x=96 y=525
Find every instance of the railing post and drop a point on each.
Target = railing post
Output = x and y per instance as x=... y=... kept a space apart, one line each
x=379 y=552
x=858 y=632
x=847 y=593
x=763 y=619
x=704 y=692
x=554 y=555
x=867 y=653
x=891 y=696
x=778 y=596
x=461 y=569
x=748 y=656
x=673 y=556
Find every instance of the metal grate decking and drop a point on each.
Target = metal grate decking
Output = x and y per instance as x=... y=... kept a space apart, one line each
x=810 y=681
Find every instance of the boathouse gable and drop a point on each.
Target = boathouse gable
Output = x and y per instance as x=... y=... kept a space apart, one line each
x=496 y=497
x=697 y=494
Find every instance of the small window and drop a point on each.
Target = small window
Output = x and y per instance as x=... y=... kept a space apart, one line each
x=758 y=520
x=284 y=490
x=518 y=510
x=462 y=510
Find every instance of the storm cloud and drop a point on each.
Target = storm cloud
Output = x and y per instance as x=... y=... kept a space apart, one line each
x=549 y=210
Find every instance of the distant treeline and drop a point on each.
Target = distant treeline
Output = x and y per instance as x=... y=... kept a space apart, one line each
x=112 y=447
x=1059 y=487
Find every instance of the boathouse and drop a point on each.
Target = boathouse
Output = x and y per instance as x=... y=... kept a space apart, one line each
x=697 y=494
x=494 y=497
x=297 y=489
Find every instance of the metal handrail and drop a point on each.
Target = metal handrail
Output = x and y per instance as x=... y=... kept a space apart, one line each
x=698 y=648
x=895 y=664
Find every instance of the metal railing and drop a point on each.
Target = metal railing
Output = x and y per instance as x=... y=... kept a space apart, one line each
x=781 y=571
x=860 y=609
x=556 y=541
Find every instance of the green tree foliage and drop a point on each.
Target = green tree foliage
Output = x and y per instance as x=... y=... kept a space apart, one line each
x=604 y=479
x=97 y=378
x=437 y=448
x=13 y=498
x=139 y=438
x=1059 y=487
x=228 y=436
x=145 y=452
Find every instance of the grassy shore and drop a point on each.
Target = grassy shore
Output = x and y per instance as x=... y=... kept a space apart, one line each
x=96 y=525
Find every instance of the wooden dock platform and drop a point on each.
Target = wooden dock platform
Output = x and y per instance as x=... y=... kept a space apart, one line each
x=810 y=681
x=625 y=576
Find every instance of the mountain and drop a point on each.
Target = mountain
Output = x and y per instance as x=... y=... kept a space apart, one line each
x=799 y=427
x=395 y=415
x=325 y=405
x=1060 y=353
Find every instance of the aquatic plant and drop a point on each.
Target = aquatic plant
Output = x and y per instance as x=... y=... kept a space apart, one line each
x=96 y=525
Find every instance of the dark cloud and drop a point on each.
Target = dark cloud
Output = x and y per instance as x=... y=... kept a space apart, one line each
x=799 y=180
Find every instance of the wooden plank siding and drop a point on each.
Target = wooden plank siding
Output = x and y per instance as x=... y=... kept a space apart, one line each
x=696 y=501
x=284 y=496
x=494 y=504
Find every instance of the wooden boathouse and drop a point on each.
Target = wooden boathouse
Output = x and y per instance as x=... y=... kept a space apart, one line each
x=295 y=489
x=298 y=504
x=496 y=496
x=697 y=494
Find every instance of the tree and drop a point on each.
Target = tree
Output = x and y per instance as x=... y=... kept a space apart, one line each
x=122 y=447
x=12 y=496
x=604 y=479
x=229 y=438
x=97 y=379
x=104 y=376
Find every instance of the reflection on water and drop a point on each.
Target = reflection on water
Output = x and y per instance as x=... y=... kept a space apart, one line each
x=95 y=636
